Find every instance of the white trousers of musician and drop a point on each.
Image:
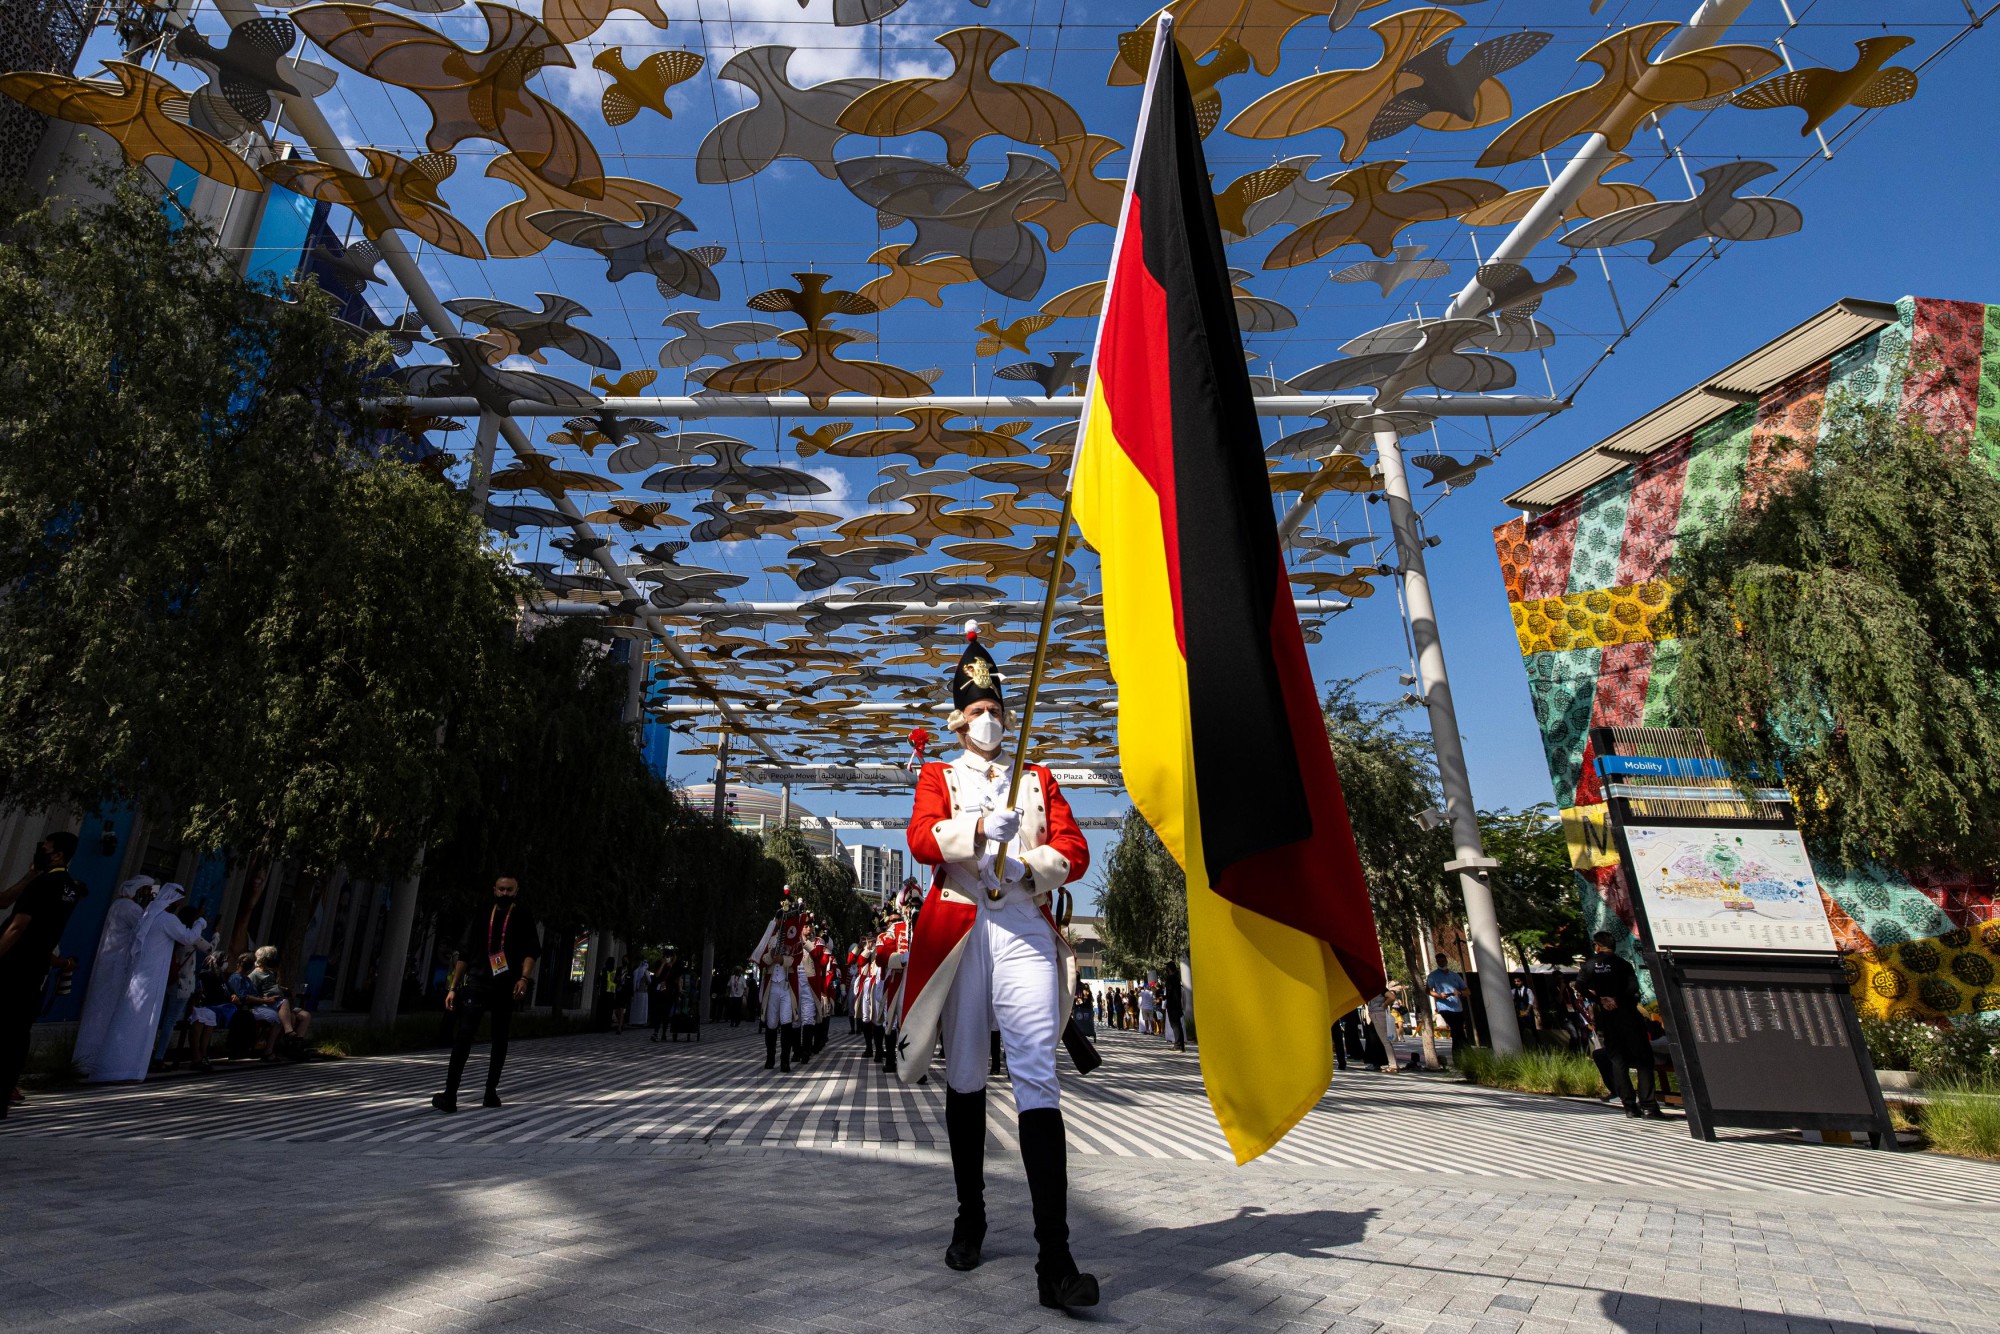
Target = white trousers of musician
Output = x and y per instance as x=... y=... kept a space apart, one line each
x=1009 y=978
x=808 y=1003
x=777 y=1004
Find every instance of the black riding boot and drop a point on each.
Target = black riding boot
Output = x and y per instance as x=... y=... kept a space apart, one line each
x=965 y=1126
x=889 y=1053
x=770 y=1048
x=1044 y=1153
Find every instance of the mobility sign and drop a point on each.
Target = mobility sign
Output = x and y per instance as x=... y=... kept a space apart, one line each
x=1753 y=995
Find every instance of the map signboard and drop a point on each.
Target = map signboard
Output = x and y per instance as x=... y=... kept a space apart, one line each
x=1741 y=889
x=1759 y=1023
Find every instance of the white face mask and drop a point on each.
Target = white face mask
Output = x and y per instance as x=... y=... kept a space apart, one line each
x=984 y=731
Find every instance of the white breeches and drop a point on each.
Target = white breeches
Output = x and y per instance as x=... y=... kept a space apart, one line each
x=778 y=1010
x=808 y=1003
x=1009 y=978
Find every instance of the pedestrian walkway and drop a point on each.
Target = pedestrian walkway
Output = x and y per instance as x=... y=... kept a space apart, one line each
x=620 y=1094
x=630 y=1185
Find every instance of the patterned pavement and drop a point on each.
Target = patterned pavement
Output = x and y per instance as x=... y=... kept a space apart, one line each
x=631 y=1185
x=623 y=1091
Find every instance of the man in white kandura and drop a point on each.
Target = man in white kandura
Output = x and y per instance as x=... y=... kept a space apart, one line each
x=110 y=969
x=128 y=1045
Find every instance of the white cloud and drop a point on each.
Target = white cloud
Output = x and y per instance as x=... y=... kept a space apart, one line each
x=839 y=498
x=824 y=50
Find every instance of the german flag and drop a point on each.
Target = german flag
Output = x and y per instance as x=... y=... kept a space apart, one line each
x=1219 y=729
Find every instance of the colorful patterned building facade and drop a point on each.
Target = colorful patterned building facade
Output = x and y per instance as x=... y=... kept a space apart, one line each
x=1587 y=568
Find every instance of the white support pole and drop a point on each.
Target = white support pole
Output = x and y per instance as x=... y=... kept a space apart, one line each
x=856 y=405
x=1708 y=23
x=1470 y=859
x=394 y=955
x=635 y=686
x=480 y=483
x=943 y=611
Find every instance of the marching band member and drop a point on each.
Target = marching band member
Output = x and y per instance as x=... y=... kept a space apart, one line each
x=777 y=957
x=850 y=986
x=986 y=954
x=892 y=955
x=826 y=980
x=805 y=988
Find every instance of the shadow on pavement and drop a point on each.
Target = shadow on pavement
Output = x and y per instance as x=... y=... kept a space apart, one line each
x=1253 y=1231
x=1668 y=1315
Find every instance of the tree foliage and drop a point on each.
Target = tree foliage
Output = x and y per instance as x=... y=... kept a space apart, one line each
x=1847 y=632
x=1534 y=889
x=1143 y=902
x=220 y=605
x=1388 y=776
x=223 y=605
x=562 y=799
x=825 y=885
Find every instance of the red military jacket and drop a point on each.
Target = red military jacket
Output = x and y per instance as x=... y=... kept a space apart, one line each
x=892 y=945
x=942 y=819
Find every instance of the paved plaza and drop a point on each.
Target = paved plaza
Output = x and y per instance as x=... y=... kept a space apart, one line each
x=637 y=1186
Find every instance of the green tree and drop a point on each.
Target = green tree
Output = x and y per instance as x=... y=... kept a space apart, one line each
x=222 y=606
x=825 y=885
x=1143 y=902
x=1846 y=632
x=1534 y=889
x=1389 y=776
x=563 y=800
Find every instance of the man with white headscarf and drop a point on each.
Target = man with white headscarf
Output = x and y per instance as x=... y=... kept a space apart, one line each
x=128 y=1046
x=112 y=968
x=181 y=974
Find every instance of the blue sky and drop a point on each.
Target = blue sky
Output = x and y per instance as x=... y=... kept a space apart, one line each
x=1903 y=208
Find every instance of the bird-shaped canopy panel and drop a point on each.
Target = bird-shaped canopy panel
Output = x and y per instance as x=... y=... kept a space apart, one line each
x=790 y=304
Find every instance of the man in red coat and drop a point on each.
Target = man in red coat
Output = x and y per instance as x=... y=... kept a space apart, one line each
x=892 y=959
x=985 y=955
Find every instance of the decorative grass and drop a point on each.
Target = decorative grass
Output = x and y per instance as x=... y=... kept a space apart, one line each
x=1569 y=1074
x=1962 y=1116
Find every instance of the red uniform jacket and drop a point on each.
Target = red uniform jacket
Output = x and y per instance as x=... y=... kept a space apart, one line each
x=941 y=836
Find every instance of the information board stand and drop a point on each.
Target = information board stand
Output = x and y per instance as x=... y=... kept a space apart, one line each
x=1752 y=994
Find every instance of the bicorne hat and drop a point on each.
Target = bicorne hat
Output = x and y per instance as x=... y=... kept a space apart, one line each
x=977 y=677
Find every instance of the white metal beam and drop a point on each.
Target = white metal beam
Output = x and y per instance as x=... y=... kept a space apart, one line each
x=994 y=405
x=873 y=708
x=825 y=775
x=804 y=611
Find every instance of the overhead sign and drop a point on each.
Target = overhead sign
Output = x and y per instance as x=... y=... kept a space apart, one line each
x=1587 y=830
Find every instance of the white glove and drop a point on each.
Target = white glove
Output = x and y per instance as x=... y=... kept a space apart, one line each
x=1001 y=826
x=1010 y=871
